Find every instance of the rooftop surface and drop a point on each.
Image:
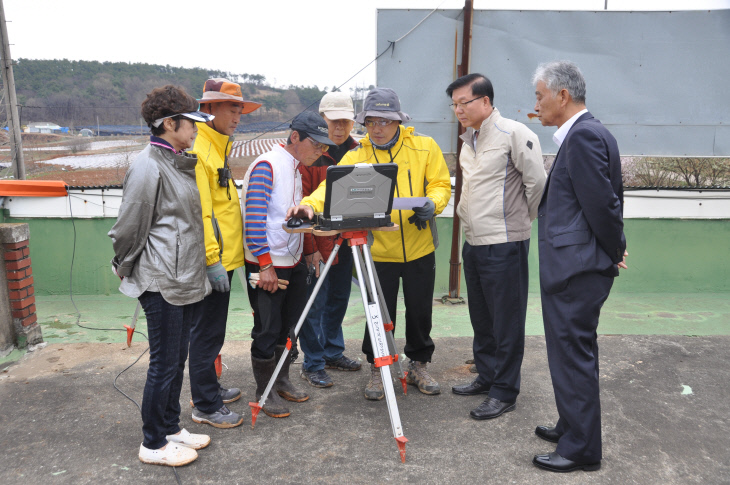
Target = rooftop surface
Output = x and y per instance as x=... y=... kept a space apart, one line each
x=664 y=399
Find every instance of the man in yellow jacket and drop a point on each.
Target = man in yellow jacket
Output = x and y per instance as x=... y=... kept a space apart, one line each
x=223 y=247
x=407 y=254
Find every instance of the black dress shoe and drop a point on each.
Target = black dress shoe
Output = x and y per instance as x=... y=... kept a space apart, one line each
x=548 y=434
x=556 y=463
x=471 y=389
x=492 y=408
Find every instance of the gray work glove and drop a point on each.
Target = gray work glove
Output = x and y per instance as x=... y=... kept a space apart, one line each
x=218 y=277
x=421 y=215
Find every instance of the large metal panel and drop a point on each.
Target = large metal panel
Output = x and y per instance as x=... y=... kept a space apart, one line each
x=656 y=79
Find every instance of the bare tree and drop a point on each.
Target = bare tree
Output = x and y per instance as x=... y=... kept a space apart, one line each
x=677 y=171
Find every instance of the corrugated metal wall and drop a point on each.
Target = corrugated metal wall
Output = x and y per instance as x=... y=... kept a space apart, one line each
x=658 y=80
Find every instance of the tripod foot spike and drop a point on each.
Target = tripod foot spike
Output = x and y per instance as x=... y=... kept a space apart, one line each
x=404 y=384
x=218 y=366
x=130 y=332
x=255 y=408
x=401 y=440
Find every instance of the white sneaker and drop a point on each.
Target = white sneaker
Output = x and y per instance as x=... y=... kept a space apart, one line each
x=172 y=455
x=189 y=440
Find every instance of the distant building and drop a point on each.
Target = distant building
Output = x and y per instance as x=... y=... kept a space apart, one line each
x=43 y=127
x=86 y=132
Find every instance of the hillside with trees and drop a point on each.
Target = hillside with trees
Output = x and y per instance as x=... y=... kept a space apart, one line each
x=75 y=93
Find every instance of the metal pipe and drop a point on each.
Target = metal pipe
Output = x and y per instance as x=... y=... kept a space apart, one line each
x=455 y=261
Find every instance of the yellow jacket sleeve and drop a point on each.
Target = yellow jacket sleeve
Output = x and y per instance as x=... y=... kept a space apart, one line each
x=316 y=198
x=438 y=188
x=203 y=179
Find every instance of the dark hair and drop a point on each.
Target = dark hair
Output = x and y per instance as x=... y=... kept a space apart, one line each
x=166 y=101
x=302 y=136
x=480 y=86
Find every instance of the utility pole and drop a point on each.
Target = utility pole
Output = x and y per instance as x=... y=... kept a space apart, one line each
x=11 y=101
x=455 y=261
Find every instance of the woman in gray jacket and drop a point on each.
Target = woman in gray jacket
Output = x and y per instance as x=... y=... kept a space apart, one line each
x=160 y=257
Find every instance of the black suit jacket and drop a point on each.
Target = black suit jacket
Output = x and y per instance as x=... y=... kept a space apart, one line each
x=580 y=217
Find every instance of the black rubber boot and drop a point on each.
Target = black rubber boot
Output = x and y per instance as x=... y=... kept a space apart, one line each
x=283 y=385
x=262 y=372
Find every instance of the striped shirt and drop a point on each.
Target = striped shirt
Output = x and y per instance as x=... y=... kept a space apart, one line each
x=258 y=196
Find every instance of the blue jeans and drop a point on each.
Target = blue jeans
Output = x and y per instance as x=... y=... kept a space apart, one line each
x=168 y=327
x=321 y=334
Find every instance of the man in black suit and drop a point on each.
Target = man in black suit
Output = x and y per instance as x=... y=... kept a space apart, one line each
x=582 y=245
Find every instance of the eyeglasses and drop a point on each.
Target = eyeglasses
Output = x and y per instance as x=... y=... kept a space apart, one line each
x=456 y=106
x=319 y=146
x=380 y=123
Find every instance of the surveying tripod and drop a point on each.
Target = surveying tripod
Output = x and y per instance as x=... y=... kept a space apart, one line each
x=379 y=324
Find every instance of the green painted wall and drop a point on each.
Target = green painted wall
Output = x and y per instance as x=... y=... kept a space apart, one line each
x=666 y=255
x=51 y=250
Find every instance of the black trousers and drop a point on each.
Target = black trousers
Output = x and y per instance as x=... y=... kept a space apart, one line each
x=418 y=278
x=571 y=319
x=496 y=284
x=275 y=313
x=207 y=335
x=168 y=328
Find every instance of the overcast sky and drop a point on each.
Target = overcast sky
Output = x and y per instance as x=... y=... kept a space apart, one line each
x=303 y=42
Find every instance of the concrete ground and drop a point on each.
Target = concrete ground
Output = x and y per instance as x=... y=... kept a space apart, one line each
x=665 y=407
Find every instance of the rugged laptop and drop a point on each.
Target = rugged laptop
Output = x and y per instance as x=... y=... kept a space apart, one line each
x=358 y=196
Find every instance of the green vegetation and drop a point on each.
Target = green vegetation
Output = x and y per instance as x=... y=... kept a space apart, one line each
x=73 y=93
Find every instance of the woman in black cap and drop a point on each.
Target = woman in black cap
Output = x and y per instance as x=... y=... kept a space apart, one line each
x=160 y=257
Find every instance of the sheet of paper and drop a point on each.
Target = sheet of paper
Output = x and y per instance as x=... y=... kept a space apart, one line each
x=408 y=203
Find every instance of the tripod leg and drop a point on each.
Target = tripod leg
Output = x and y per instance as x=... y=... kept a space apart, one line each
x=130 y=328
x=256 y=406
x=382 y=357
x=390 y=328
x=387 y=322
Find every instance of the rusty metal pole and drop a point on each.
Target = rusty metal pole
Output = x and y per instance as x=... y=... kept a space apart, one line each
x=455 y=261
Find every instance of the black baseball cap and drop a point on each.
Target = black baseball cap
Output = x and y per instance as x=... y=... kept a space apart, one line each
x=313 y=125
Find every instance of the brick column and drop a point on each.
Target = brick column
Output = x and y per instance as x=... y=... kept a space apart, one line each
x=16 y=288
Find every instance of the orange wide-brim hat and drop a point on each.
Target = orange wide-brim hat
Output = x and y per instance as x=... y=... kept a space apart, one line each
x=218 y=90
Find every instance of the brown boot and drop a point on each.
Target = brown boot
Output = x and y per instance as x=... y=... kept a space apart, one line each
x=418 y=376
x=374 y=389
x=263 y=369
x=283 y=385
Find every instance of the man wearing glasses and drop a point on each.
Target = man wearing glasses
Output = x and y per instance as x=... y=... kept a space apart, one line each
x=272 y=183
x=503 y=179
x=407 y=254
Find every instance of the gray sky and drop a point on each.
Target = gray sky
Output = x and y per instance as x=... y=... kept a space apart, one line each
x=322 y=42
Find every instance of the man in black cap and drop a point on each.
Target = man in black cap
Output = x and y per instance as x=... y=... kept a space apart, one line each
x=271 y=184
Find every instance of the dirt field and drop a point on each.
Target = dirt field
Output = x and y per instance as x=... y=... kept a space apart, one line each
x=39 y=149
x=106 y=176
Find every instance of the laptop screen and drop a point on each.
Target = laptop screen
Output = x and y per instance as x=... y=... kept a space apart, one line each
x=360 y=190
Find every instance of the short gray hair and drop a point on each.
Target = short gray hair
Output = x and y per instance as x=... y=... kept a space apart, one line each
x=560 y=75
